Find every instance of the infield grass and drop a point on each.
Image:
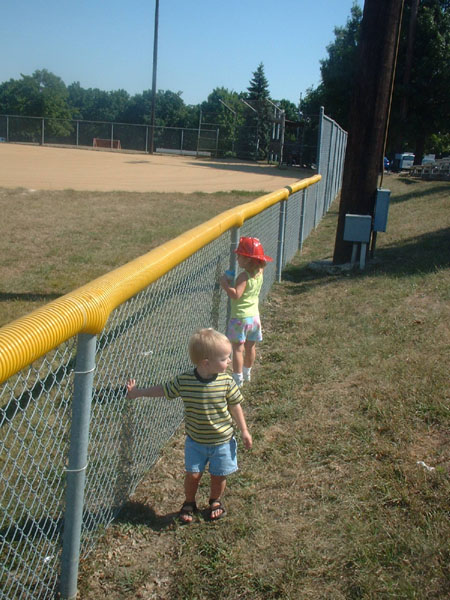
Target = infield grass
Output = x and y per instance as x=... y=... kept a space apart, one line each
x=349 y=398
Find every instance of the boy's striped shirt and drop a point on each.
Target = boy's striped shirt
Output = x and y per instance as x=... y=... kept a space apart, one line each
x=207 y=418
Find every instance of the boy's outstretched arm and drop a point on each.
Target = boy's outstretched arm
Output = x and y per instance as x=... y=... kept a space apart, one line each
x=151 y=392
x=238 y=415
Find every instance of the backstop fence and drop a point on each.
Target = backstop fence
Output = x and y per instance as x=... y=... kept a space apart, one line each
x=208 y=139
x=73 y=448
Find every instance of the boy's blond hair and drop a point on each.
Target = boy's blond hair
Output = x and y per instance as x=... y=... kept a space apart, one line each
x=204 y=344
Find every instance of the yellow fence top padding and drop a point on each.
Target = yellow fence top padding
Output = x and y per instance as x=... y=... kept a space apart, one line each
x=86 y=309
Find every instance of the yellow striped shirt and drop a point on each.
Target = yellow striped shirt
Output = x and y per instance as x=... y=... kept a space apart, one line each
x=207 y=418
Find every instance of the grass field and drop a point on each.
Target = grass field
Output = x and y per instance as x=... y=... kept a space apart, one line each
x=345 y=494
x=55 y=241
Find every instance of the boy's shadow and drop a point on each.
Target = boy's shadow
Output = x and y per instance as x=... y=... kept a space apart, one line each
x=137 y=513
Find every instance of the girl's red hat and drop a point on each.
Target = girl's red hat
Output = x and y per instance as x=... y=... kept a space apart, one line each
x=252 y=247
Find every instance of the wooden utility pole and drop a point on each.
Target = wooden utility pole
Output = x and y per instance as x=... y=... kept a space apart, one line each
x=380 y=28
x=155 y=63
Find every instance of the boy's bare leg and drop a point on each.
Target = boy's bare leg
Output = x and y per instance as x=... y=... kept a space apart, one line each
x=218 y=485
x=191 y=483
x=250 y=354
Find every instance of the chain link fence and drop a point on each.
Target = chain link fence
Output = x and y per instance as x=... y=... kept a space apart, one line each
x=73 y=448
x=209 y=139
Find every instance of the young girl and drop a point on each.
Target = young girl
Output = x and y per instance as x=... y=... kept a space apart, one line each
x=244 y=327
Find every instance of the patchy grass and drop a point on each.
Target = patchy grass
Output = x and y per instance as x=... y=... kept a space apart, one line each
x=56 y=241
x=350 y=393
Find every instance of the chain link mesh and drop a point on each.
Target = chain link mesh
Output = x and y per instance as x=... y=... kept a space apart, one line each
x=35 y=423
x=145 y=338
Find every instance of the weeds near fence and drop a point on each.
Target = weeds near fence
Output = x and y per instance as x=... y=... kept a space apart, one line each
x=345 y=494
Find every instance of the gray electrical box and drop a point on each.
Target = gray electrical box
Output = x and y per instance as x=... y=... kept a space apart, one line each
x=381 y=209
x=357 y=228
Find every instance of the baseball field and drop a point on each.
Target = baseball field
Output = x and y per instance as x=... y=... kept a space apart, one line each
x=345 y=492
x=71 y=215
x=55 y=168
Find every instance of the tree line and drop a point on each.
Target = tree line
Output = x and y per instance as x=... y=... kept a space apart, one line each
x=44 y=94
x=419 y=116
x=420 y=110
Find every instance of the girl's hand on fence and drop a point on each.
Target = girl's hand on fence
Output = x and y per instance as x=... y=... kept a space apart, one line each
x=131 y=389
x=224 y=282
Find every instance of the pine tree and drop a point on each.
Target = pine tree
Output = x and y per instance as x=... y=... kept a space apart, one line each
x=258 y=95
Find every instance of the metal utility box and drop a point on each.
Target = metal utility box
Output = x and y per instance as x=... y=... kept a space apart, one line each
x=357 y=228
x=381 y=209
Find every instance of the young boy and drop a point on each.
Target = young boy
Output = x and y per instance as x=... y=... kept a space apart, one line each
x=211 y=399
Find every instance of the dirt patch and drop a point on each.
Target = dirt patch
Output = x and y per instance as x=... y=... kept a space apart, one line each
x=50 y=168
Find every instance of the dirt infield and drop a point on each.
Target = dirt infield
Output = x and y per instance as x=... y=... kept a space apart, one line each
x=51 y=168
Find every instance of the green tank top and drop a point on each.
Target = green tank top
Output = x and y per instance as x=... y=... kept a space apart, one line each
x=248 y=303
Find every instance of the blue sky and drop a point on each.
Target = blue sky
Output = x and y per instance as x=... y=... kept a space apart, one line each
x=203 y=44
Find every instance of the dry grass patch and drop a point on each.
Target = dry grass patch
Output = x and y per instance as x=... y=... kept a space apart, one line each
x=56 y=241
x=351 y=391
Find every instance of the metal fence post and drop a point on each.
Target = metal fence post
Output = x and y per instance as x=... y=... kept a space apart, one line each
x=235 y=235
x=78 y=132
x=302 y=219
x=280 y=249
x=7 y=128
x=42 y=132
x=318 y=161
x=327 y=192
x=76 y=470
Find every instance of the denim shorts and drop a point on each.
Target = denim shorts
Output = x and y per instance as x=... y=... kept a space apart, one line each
x=241 y=330
x=222 y=458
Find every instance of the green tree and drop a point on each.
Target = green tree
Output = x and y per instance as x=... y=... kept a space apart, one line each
x=41 y=94
x=421 y=106
x=260 y=116
x=224 y=110
x=170 y=109
x=337 y=73
x=424 y=92
x=93 y=104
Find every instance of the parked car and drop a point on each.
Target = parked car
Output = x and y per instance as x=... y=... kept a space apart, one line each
x=403 y=161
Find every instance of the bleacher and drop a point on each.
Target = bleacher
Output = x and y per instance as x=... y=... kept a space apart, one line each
x=438 y=170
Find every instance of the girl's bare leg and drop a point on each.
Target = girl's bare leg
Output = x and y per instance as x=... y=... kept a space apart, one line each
x=249 y=354
x=238 y=357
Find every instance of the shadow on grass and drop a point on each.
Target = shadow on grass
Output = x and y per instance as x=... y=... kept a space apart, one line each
x=138 y=513
x=418 y=190
x=421 y=254
x=27 y=296
x=258 y=169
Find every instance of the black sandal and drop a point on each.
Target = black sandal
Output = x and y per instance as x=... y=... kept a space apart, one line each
x=188 y=509
x=212 y=509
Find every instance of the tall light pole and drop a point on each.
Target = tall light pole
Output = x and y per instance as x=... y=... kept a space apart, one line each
x=155 y=62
